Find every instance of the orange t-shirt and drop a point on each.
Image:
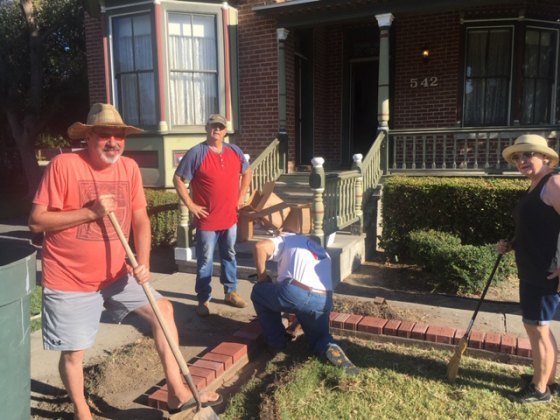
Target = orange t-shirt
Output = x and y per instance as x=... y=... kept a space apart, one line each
x=89 y=256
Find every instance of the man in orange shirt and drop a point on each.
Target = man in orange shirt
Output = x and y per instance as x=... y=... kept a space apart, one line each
x=84 y=267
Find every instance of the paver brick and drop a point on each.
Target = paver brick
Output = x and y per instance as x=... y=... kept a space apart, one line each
x=372 y=324
x=476 y=339
x=378 y=300
x=217 y=367
x=206 y=375
x=235 y=350
x=352 y=322
x=459 y=333
x=492 y=342
x=391 y=327
x=509 y=344
x=338 y=322
x=332 y=317
x=224 y=359
x=524 y=347
x=419 y=331
x=405 y=329
x=158 y=399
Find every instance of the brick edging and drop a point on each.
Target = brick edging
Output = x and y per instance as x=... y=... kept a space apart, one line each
x=220 y=363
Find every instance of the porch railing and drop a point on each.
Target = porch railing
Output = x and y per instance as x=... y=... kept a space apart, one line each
x=459 y=149
x=339 y=197
x=267 y=166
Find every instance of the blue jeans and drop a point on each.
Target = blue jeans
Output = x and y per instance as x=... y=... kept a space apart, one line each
x=311 y=309
x=205 y=244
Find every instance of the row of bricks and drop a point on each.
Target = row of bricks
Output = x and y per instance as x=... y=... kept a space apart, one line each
x=416 y=330
x=214 y=364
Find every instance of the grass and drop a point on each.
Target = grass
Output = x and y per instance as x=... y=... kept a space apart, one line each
x=396 y=382
x=35 y=308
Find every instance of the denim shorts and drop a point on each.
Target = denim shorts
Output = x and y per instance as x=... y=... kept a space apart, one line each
x=71 y=319
x=538 y=305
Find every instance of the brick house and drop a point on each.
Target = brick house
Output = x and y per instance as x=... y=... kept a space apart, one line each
x=327 y=75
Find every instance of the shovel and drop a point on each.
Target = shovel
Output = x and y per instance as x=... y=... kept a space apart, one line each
x=202 y=413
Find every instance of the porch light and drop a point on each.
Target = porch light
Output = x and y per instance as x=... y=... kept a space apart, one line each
x=425 y=54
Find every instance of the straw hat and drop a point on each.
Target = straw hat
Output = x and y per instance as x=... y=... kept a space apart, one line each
x=530 y=143
x=101 y=115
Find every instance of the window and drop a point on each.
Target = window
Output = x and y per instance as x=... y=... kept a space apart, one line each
x=539 y=67
x=193 y=68
x=134 y=82
x=487 y=76
x=511 y=79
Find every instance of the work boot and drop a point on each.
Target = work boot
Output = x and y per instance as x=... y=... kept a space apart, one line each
x=202 y=310
x=234 y=299
x=336 y=356
x=527 y=378
x=530 y=395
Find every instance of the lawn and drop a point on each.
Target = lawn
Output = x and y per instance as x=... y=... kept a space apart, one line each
x=35 y=308
x=396 y=382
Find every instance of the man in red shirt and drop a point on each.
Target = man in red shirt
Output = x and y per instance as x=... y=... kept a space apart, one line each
x=213 y=169
x=84 y=267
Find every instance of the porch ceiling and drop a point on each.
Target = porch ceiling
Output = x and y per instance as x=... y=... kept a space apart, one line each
x=296 y=13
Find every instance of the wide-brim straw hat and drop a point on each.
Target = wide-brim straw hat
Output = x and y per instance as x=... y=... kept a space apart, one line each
x=530 y=143
x=101 y=115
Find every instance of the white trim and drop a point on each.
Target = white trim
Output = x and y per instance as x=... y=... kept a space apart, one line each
x=384 y=20
x=283 y=5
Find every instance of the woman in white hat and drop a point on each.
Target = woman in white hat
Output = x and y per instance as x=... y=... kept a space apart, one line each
x=537 y=254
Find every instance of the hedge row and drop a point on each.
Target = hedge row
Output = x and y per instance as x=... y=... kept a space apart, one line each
x=477 y=210
x=164 y=215
x=460 y=269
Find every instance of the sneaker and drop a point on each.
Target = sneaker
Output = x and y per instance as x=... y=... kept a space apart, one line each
x=530 y=395
x=234 y=299
x=527 y=378
x=336 y=356
x=202 y=309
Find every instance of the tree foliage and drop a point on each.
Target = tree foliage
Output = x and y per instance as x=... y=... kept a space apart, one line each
x=43 y=79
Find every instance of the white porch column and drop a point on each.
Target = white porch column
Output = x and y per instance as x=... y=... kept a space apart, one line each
x=384 y=22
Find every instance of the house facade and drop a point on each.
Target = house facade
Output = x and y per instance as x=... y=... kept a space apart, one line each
x=327 y=75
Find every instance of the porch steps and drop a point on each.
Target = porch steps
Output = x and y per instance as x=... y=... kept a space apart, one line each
x=294 y=188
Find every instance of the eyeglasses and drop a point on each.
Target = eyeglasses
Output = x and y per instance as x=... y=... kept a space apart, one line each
x=522 y=156
x=217 y=126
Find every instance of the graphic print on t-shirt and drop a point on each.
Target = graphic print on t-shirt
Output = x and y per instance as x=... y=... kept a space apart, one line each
x=101 y=229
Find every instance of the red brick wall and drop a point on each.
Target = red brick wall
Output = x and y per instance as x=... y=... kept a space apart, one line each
x=258 y=80
x=327 y=91
x=432 y=106
x=95 y=65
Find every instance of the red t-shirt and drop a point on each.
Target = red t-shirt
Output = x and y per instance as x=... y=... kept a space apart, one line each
x=214 y=182
x=89 y=256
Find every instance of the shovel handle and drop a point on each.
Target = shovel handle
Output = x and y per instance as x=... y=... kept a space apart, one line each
x=168 y=336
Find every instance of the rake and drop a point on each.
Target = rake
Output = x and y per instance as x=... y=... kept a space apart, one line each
x=453 y=365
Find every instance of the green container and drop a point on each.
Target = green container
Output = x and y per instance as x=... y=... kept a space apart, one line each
x=17 y=279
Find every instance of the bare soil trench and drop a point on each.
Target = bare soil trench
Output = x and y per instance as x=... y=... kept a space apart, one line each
x=118 y=386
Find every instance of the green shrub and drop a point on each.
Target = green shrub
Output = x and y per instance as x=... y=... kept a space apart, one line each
x=477 y=210
x=457 y=268
x=163 y=210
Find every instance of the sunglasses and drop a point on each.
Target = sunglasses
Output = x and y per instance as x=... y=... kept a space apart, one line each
x=522 y=156
x=106 y=133
x=217 y=126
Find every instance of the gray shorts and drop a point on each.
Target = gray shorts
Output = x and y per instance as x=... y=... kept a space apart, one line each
x=71 y=319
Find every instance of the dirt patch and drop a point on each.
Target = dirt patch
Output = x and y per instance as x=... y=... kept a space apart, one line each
x=382 y=277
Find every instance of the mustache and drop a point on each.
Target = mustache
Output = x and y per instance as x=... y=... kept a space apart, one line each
x=111 y=148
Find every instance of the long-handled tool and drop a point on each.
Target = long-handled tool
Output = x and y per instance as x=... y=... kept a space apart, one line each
x=201 y=412
x=453 y=365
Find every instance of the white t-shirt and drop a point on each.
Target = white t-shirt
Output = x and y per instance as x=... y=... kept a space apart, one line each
x=302 y=259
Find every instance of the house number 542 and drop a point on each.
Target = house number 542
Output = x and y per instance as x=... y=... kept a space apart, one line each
x=425 y=82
